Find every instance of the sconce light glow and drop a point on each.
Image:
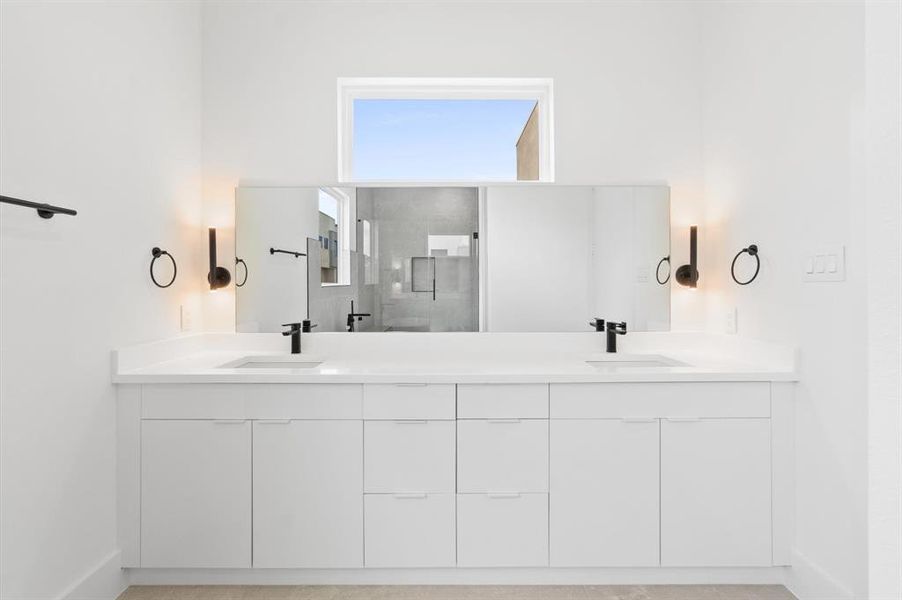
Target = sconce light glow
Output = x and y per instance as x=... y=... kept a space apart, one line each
x=687 y=275
x=217 y=277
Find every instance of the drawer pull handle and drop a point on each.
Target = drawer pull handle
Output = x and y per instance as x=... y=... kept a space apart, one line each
x=274 y=421
x=638 y=420
x=684 y=419
x=411 y=384
x=503 y=495
x=411 y=422
x=229 y=421
x=410 y=496
x=503 y=421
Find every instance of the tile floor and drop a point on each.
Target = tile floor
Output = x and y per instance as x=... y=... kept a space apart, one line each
x=461 y=592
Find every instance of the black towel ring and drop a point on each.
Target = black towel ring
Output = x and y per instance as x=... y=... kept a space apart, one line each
x=243 y=281
x=752 y=250
x=658 y=270
x=157 y=253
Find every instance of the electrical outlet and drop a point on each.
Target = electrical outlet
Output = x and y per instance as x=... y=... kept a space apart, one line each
x=731 y=321
x=186 y=318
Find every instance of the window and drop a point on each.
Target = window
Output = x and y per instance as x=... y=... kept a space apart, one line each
x=334 y=237
x=438 y=130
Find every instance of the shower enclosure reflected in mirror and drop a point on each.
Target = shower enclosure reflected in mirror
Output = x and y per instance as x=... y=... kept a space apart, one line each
x=453 y=258
x=419 y=259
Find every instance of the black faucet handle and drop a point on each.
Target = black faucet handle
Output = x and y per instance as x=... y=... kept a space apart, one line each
x=306 y=326
x=619 y=328
x=295 y=327
x=598 y=324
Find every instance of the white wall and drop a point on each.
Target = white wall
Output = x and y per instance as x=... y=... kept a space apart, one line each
x=557 y=257
x=782 y=125
x=101 y=112
x=883 y=64
x=276 y=288
x=538 y=258
x=626 y=88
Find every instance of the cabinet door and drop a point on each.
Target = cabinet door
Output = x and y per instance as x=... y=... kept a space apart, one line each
x=502 y=530
x=715 y=492
x=308 y=494
x=410 y=530
x=409 y=456
x=195 y=494
x=604 y=493
x=502 y=455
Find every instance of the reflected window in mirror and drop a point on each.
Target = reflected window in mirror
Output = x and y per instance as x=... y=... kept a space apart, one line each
x=449 y=245
x=334 y=237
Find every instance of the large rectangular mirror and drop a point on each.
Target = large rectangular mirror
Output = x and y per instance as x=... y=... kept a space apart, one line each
x=499 y=258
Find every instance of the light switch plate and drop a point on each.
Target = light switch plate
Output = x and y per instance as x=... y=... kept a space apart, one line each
x=824 y=263
x=731 y=321
x=186 y=318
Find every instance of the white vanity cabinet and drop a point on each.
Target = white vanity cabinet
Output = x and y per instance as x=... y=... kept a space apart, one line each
x=488 y=476
x=502 y=475
x=240 y=476
x=715 y=492
x=307 y=493
x=409 y=475
x=703 y=450
x=195 y=493
x=604 y=483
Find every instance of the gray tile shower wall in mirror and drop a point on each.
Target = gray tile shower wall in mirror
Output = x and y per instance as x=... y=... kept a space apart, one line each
x=454 y=258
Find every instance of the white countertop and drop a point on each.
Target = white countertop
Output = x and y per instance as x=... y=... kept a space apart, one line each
x=460 y=358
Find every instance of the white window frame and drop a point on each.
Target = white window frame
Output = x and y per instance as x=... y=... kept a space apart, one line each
x=443 y=88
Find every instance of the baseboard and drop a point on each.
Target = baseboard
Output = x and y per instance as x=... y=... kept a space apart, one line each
x=520 y=576
x=104 y=582
x=808 y=581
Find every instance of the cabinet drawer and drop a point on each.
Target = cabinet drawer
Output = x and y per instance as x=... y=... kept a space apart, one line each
x=408 y=401
x=408 y=456
x=502 y=401
x=503 y=455
x=624 y=400
x=409 y=530
x=502 y=530
x=252 y=401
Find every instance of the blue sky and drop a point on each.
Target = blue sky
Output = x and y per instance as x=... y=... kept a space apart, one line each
x=438 y=139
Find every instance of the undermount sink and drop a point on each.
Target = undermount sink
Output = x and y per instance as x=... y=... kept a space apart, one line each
x=278 y=361
x=633 y=361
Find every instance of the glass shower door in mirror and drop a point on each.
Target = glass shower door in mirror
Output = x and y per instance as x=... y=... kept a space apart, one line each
x=418 y=258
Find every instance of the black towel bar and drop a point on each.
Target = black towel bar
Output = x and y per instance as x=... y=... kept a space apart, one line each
x=45 y=211
x=295 y=254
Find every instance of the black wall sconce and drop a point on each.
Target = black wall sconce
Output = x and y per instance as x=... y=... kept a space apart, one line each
x=688 y=274
x=218 y=277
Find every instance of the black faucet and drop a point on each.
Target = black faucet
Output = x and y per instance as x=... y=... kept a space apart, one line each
x=353 y=316
x=612 y=329
x=295 y=332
